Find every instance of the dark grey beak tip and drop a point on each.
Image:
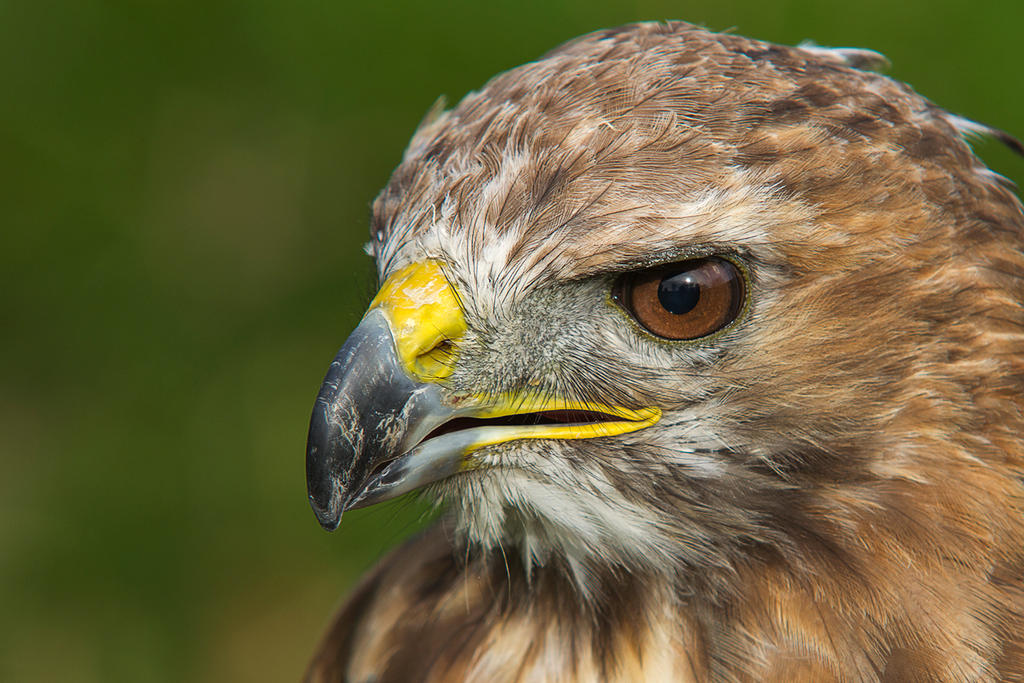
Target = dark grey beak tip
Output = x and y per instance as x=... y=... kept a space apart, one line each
x=369 y=412
x=363 y=386
x=329 y=517
x=322 y=484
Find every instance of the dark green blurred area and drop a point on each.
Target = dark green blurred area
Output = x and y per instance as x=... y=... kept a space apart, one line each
x=184 y=190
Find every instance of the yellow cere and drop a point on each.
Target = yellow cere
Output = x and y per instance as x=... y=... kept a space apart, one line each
x=632 y=420
x=424 y=314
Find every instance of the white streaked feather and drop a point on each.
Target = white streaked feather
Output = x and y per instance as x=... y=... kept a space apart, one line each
x=853 y=57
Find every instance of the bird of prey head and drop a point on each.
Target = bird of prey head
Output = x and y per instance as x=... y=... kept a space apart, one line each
x=734 y=324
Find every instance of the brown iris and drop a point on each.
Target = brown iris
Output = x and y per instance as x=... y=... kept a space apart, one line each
x=685 y=300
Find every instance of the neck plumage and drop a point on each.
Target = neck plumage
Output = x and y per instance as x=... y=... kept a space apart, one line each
x=907 y=583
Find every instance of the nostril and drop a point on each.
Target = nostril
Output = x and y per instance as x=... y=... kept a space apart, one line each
x=442 y=346
x=438 y=362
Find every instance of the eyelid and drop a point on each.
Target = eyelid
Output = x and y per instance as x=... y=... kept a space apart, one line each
x=735 y=254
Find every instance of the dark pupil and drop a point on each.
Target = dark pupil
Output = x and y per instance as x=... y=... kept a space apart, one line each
x=679 y=293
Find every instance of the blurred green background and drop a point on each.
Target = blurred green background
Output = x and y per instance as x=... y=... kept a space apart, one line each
x=185 y=187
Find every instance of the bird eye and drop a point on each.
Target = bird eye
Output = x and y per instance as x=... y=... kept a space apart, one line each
x=686 y=300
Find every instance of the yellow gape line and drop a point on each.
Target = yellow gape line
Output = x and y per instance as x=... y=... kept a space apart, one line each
x=424 y=314
x=501 y=406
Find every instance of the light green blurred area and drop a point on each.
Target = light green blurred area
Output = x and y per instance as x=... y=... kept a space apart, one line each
x=184 y=189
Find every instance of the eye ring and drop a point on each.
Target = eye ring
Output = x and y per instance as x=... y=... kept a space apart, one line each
x=685 y=300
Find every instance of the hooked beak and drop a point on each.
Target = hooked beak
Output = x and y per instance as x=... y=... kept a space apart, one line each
x=384 y=425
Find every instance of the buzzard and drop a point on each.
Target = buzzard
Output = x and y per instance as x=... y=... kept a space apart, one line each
x=714 y=350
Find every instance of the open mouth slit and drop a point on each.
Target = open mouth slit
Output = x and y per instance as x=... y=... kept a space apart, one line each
x=545 y=417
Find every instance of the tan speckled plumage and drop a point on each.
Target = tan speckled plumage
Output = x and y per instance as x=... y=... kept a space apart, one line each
x=836 y=490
